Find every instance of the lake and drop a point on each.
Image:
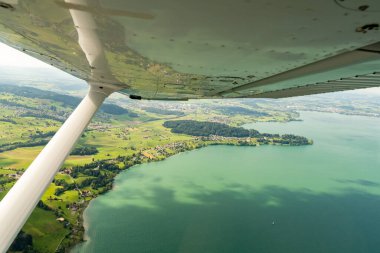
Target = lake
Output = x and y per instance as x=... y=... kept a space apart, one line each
x=319 y=198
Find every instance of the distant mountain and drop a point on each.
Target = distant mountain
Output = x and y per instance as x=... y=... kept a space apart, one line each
x=53 y=79
x=66 y=100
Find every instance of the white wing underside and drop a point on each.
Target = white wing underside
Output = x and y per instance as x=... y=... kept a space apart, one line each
x=173 y=49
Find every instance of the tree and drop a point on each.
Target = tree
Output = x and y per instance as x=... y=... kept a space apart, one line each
x=23 y=243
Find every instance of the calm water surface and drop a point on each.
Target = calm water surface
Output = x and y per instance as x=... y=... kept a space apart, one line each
x=319 y=198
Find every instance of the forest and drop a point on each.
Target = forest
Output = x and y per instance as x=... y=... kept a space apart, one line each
x=203 y=128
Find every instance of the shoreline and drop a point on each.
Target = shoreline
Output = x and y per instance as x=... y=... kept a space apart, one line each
x=200 y=142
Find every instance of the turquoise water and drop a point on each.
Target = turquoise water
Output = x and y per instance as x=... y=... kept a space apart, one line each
x=319 y=198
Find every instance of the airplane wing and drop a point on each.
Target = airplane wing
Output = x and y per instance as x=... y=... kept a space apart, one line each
x=172 y=49
x=178 y=50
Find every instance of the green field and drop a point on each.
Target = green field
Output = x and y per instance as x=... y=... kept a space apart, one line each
x=46 y=231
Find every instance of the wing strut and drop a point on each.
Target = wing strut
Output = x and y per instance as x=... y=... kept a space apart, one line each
x=18 y=204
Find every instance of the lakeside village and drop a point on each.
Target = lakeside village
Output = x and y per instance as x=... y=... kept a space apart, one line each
x=83 y=183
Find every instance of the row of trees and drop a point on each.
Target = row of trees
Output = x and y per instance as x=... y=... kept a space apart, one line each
x=38 y=139
x=14 y=145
